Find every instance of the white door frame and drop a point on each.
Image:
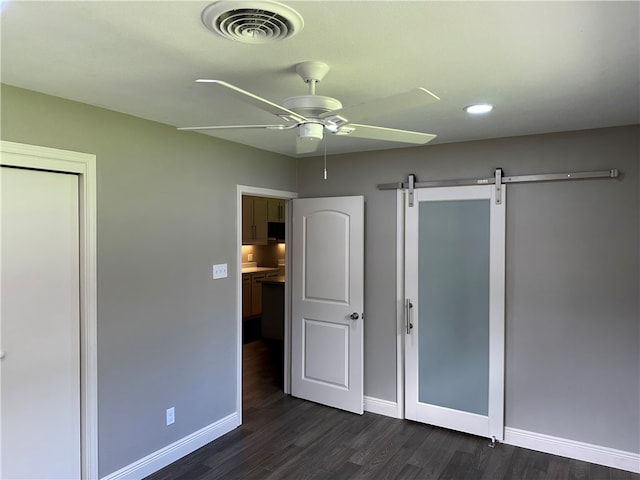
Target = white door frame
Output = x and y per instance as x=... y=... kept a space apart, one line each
x=271 y=193
x=400 y=296
x=84 y=165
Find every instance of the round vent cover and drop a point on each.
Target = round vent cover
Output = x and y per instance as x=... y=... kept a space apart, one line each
x=252 y=22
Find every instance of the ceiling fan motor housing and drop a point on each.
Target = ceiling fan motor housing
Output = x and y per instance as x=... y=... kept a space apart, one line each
x=311 y=106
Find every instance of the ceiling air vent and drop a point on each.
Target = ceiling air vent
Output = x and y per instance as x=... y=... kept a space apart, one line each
x=252 y=22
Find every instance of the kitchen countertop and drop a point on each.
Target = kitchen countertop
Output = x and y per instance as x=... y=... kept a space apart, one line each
x=259 y=269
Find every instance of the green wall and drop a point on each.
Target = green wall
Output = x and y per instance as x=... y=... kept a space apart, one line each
x=166 y=213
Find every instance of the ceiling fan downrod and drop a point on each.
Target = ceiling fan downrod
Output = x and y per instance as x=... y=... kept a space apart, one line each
x=312 y=86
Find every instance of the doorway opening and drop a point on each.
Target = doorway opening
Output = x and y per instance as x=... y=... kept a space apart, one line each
x=263 y=294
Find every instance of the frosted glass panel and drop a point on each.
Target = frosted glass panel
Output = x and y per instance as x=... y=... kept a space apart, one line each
x=453 y=365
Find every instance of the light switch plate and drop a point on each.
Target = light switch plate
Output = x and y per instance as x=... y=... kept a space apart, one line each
x=220 y=271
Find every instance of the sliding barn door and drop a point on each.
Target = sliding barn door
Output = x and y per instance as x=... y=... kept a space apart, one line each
x=454 y=343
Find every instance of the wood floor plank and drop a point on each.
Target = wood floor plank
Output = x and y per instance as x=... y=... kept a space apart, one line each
x=285 y=438
x=524 y=466
x=436 y=451
x=558 y=470
x=621 y=475
x=380 y=446
x=409 y=472
x=397 y=463
x=497 y=461
x=460 y=467
x=346 y=471
x=578 y=470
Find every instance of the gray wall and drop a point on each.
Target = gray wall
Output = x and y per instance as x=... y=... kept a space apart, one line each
x=166 y=213
x=572 y=312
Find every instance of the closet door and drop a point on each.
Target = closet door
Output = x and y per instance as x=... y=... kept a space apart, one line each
x=39 y=326
x=454 y=343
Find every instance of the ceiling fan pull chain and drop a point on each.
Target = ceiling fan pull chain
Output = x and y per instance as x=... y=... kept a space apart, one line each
x=324 y=141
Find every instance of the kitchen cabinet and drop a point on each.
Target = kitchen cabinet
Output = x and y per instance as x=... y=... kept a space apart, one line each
x=252 y=291
x=254 y=220
x=246 y=295
x=273 y=308
x=275 y=213
x=256 y=293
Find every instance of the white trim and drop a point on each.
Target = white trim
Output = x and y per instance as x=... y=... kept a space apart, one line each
x=169 y=454
x=586 y=452
x=262 y=192
x=400 y=296
x=381 y=407
x=83 y=164
x=497 y=318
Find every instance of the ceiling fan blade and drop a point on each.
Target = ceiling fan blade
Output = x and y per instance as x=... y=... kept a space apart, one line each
x=306 y=146
x=261 y=103
x=227 y=127
x=387 y=134
x=383 y=106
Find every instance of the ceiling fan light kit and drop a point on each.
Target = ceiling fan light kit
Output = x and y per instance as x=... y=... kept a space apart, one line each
x=252 y=21
x=311 y=131
x=314 y=114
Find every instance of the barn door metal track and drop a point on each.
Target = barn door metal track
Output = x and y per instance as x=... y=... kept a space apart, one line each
x=498 y=180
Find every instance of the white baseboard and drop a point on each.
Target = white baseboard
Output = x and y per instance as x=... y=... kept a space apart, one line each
x=570 y=448
x=381 y=407
x=169 y=454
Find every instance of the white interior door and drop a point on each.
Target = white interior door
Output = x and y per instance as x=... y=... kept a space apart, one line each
x=39 y=326
x=454 y=343
x=327 y=301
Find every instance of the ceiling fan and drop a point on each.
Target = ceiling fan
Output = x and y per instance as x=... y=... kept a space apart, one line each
x=313 y=115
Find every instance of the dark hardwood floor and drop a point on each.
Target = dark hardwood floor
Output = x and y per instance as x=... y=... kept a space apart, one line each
x=286 y=438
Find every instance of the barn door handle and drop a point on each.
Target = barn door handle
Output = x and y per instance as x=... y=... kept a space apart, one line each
x=354 y=316
x=408 y=313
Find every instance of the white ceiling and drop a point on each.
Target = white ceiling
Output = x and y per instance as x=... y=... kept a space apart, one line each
x=546 y=66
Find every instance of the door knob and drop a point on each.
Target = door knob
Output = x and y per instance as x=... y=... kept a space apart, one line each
x=354 y=316
x=2 y=355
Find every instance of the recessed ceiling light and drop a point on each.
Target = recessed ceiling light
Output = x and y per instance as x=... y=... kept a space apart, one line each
x=478 y=108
